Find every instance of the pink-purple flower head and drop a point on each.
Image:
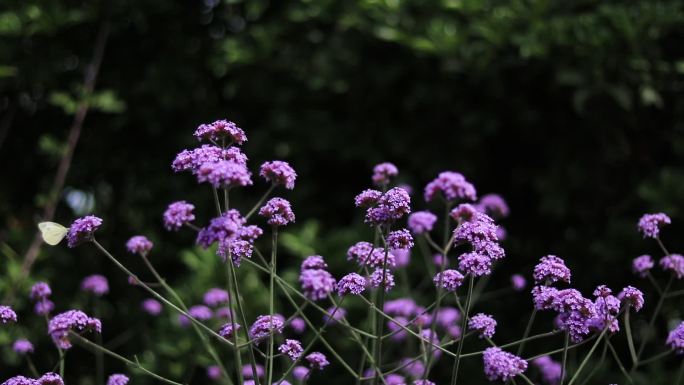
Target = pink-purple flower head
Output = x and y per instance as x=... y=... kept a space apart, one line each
x=518 y=282
x=423 y=382
x=298 y=325
x=633 y=297
x=40 y=291
x=278 y=212
x=351 y=283
x=379 y=276
x=675 y=339
x=447 y=316
x=215 y=297
x=544 y=297
x=642 y=264
x=224 y=174
x=501 y=365
x=449 y=279
x=214 y=372
x=481 y=233
x=673 y=263
x=192 y=160
x=248 y=371
x=44 y=307
x=475 y=264
x=72 y=320
x=334 y=314
x=493 y=205
x=178 y=214
x=317 y=360
x=551 y=269
x=83 y=230
x=402 y=257
x=291 y=348
x=390 y=207
x=96 y=284
x=421 y=222
x=400 y=239
x=650 y=224
x=221 y=129
x=151 y=306
x=300 y=373
x=278 y=173
x=413 y=368
x=20 y=380
x=405 y=307
x=50 y=379
x=316 y=283
x=549 y=369
x=383 y=173
x=450 y=186
x=22 y=346
x=367 y=198
x=366 y=255
x=465 y=212
x=484 y=324
x=139 y=244
x=228 y=329
x=314 y=262
x=265 y=325
x=117 y=379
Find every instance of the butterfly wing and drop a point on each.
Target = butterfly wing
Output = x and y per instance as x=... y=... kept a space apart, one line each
x=52 y=232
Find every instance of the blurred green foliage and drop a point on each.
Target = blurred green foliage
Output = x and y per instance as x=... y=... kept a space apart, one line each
x=572 y=110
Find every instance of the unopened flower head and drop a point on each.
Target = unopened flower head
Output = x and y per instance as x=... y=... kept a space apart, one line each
x=650 y=224
x=82 y=230
x=22 y=346
x=40 y=290
x=151 y=306
x=279 y=173
x=518 y=282
x=178 y=214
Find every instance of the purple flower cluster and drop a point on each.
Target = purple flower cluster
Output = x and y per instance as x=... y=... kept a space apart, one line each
x=383 y=172
x=215 y=297
x=675 y=339
x=139 y=244
x=351 y=283
x=22 y=346
x=421 y=222
x=82 y=230
x=72 y=320
x=221 y=129
x=226 y=331
x=551 y=269
x=315 y=280
x=198 y=312
x=96 y=284
x=366 y=255
x=650 y=224
x=450 y=186
x=641 y=265
x=178 y=214
x=480 y=232
x=448 y=279
x=193 y=160
x=234 y=238
x=518 y=282
x=501 y=365
x=673 y=263
x=633 y=297
x=265 y=325
x=40 y=293
x=317 y=360
x=278 y=212
x=384 y=209
x=484 y=324
x=378 y=276
x=549 y=369
x=292 y=349
x=151 y=306
x=279 y=173
x=46 y=379
x=400 y=239
x=117 y=379
x=493 y=205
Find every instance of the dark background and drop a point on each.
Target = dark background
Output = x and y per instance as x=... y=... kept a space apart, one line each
x=572 y=111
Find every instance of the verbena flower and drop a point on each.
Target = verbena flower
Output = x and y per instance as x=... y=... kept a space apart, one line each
x=314 y=262
x=402 y=257
x=82 y=230
x=390 y=207
x=214 y=372
x=224 y=174
x=72 y=320
x=675 y=339
x=465 y=212
x=139 y=244
x=484 y=324
x=549 y=369
x=279 y=173
x=607 y=307
x=501 y=365
x=292 y=349
x=22 y=346
x=449 y=279
x=421 y=222
x=316 y=283
x=673 y=263
x=551 y=269
x=298 y=325
x=377 y=277
x=300 y=373
x=447 y=316
x=650 y=224
x=518 y=282
x=192 y=160
x=642 y=264
x=400 y=239
x=383 y=173
x=178 y=214
x=20 y=380
x=44 y=307
x=481 y=233
x=334 y=314
x=151 y=306
x=544 y=297
x=264 y=325
x=226 y=331
x=423 y=382
x=577 y=314
x=450 y=186
x=317 y=360
x=215 y=297
x=278 y=212
x=39 y=291
x=50 y=379
x=475 y=264
x=221 y=129
x=117 y=379
x=401 y=306
x=413 y=369
x=367 y=198
x=633 y=297
x=351 y=283
x=96 y=284
x=248 y=371
x=394 y=379
x=493 y=205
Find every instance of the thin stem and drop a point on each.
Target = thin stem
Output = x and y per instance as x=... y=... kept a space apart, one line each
x=238 y=358
x=31 y=366
x=598 y=365
x=62 y=358
x=238 y=301
x=126 y=361
x=377 y=352
x=645 y=339
x=561 y=349
x=630 y=341
x=271 y=295
x=619 y=362
x=680 y=376
x=566 y=342
x=654 y=358
x=259 y=202
x=586 y=359
x=454 y=374
x=528 y=329
x=530 y=338
x=216 y=200
x=99 y=358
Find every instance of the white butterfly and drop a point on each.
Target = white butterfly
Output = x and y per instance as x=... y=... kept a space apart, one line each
x=52 y=232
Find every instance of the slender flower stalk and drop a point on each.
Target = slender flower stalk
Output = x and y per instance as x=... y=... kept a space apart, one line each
x=566 y=343
x=528 y=329
x=238 y=301
x=271 y=295
x=457 y=361
x=588 y=356
x=231 y=296
x=630 y=341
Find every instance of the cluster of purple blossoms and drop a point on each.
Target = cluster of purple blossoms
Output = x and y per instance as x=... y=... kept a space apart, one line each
x=366 y=255
x=334 y=314
x=650 y=224
x=46 y=379
x=193 y=160
x=400 y=239
x=198 y=312
x=215 y=297
x=224 y=174
x=82 y=230
x=384 y=209
x=493 y=205
x=413 y=368
x=139 y=244
x=351 y=283
x=480 y=232
x=292 y=349
x=317 y=283
x=484 y=324
x=642 y=264
x=551 y=269
x=317 y=360
x=383 y=172
x=606 y=307
x=501 y=365
x=117 y=379
x=40 y=293
x=279 y=173
x=248 y=371
x=450 y=186
x=96 y=284
x=421 y=222
x=234 y=238
x=463 y=212
x=673 y=263
x=675 y=339
x=151 y=306
x=381 y=276
x=278 y=212
x=518 y=282
x=549 y=369
x=221 y=129
x=22 y=346
x=300 y=373
x=475 y=264
x=214 y=372
x=298 y=325
x=576 y=313
x=265 y=325
x=226 y=331
x=178 y=214
x=631 y=296
x=72 y=320
x=448 y=280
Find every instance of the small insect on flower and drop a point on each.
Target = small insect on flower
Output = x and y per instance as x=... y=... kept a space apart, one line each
x=52 y=232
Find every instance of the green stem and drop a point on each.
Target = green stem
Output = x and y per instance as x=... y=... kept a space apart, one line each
x=238 y=301
x=647 y=337
x=530 y=338
x=377 y=356
x=238 y=358
x=216 y=200
x=561 y=349
x=566 y=342
x=655 y=358
x=619 y=362
x=680 y=376
x=630 y=341
x=99 y=358
x=271 y=295
x=464 y=323
x=259 y=202
x=31 y=366
x=598 y=365
x=62 y=358
x=528 y=329
x=586 y=359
